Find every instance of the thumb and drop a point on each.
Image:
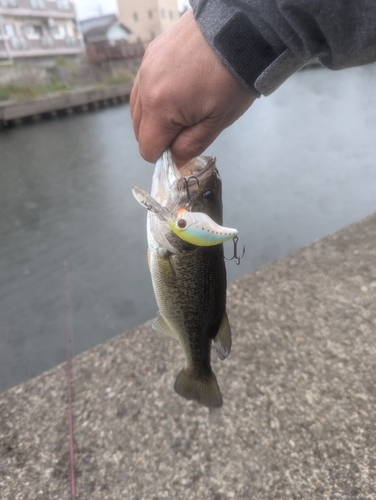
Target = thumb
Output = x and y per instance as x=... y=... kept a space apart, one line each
x=154 y=137
x=192 y=141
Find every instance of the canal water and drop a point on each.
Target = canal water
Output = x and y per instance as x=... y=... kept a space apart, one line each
x=298 y=166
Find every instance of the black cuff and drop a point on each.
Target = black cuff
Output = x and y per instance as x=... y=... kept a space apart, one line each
x=244 y=49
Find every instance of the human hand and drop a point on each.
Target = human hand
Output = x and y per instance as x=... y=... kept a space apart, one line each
x=183 y=96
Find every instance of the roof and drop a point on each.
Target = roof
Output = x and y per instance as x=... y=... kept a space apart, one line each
x=95 y=29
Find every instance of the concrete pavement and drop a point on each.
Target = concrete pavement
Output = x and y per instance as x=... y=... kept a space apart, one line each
x=298 y=420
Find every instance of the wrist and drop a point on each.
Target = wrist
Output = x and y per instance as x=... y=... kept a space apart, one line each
x=256 y=57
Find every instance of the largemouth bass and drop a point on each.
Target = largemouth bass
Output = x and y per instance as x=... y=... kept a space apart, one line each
x=188 y=270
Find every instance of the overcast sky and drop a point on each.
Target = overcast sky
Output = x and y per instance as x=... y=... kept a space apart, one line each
x=91 y=8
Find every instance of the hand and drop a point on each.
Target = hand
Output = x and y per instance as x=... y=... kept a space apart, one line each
x=183 y=96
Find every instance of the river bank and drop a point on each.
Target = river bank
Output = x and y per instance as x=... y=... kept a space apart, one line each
x=50 y=105
x=299 y=398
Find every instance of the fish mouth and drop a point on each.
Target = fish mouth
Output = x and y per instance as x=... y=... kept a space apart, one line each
x=173 y=187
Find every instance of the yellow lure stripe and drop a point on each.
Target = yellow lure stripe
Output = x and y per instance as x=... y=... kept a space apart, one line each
x=199 y=229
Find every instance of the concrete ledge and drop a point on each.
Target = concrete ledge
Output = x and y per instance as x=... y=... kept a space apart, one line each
x=16 y=110
x=298 y=420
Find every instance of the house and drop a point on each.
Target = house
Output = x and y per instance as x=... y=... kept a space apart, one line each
x=147 y=18
x=38 y=31
x=102 y=29
x=106 y=39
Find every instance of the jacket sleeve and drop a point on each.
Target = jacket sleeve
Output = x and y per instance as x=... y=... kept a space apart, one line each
x=263 y=42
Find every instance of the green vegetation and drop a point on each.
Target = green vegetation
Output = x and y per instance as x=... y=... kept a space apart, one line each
x=28 y=91
x=118 y=78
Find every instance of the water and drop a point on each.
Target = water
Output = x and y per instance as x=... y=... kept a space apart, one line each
x=298 y=166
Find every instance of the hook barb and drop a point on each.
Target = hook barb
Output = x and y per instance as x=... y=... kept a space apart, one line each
x=236 y=257
x=186 y=186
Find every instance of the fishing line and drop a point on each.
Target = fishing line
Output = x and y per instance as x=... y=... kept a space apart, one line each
x=68 y=330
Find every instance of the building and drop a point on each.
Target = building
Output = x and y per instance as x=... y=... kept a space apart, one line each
x=38 y=31
x=147 y=18
x=104 y=29
x=106 y=39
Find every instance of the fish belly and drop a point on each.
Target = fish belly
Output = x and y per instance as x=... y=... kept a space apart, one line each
x=190 y=289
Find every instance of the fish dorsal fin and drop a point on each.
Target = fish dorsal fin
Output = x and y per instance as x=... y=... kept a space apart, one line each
x=161 y=325
x=222 y=341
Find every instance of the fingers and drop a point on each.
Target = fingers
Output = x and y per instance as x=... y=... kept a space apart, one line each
x=192 y=141
x=135 y=108
x=183 y=96
x=155 y=134
x=150 y=129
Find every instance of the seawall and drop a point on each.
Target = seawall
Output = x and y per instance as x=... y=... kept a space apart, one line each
x=68 y=102
x=298 y=420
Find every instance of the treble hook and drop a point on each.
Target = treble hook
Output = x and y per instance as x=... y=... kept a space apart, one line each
x=235 y=239
x=185 y=182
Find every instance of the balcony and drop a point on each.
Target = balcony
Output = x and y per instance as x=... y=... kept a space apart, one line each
x=21 y=47
x=38 y=8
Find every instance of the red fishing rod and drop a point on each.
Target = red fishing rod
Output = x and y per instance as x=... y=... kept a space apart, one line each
x=69 y=380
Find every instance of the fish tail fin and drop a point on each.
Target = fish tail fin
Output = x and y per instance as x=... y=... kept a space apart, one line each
x=204 y=390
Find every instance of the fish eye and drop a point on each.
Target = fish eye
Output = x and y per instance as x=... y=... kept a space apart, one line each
x=182 y=224
x=208 y=197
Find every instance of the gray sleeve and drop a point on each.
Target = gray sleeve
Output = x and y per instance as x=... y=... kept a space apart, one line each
x=263 y=42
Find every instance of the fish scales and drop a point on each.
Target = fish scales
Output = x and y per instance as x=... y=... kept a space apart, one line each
x=192 y=296
x=189 y=281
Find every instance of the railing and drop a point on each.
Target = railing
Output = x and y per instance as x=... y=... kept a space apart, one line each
x=103 y=52
x=37 y=6
x=22 y=47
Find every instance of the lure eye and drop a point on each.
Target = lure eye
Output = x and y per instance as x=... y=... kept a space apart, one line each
x=182 y=224
x=208 y=197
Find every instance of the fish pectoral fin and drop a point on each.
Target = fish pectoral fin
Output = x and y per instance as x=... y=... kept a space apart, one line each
x=222 y=341
x=161 y=325
x=147 y=201
x=204 y=390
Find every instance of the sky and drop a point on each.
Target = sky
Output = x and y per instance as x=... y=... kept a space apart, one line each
x=91 y=8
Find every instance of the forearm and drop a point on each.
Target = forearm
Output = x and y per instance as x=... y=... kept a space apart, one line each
x=263 y=42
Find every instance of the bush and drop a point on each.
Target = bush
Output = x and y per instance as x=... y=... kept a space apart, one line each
x=23 y=92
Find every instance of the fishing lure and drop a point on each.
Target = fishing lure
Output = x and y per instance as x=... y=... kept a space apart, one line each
x=196 y=228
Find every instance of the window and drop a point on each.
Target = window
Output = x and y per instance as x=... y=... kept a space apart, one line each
x=58 y=31
x=37 y=4
x=47 y=42
x=62 y=5
x=71 y=29
x=32 y=31
x=163 y=13
x=135 y=16
x=10 y=30
x=70 y=41
x=19 y=43
x=150 y=13
x=8 y=3
x=171 y=14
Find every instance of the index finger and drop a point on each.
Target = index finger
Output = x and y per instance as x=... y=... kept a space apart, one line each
x=154 y=134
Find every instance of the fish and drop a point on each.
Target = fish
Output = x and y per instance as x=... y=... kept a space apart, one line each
x=185 y=239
